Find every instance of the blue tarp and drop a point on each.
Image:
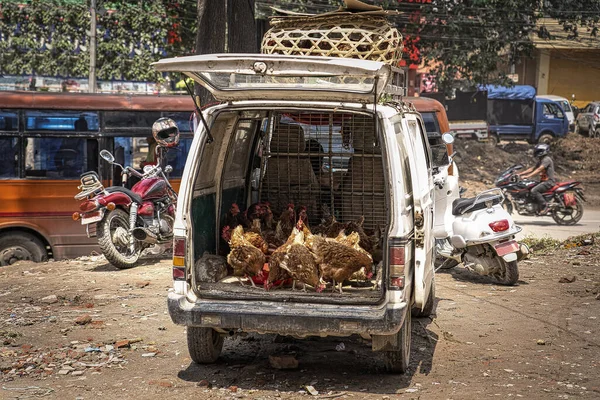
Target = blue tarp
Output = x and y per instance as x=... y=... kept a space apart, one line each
x=517 y=92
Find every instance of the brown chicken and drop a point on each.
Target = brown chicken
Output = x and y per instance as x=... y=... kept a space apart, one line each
x=353 y=240
x=244 y=258
x=286 y=223
x=233 y=218
x=276 y=273
x=338 y=261
x=300 y=263
x=255 y=237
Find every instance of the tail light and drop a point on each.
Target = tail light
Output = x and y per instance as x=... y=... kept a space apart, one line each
x=88 y=205
x=179 y=247
x=596 y=117
x=399 y=255
x=500 y=226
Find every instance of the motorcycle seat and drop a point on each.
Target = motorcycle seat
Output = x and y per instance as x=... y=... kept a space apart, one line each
x=460 y=205
x=134 y=196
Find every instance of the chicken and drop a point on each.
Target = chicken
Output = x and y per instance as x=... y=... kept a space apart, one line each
x=233 y=218
x=286 y=223
x=366 y=242
x=323 y=227
x=335 y=228
x=254 y=236
x=276 y=273
x=302 y=214
x=338 y=261
x=353 y=240
x=300 y=263
x=244 y=258
x=253 y=212
x=267 y=216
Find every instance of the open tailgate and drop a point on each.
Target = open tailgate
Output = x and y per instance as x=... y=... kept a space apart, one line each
x=231 y=77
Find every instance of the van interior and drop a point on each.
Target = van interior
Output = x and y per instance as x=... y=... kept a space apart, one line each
x=327 y=165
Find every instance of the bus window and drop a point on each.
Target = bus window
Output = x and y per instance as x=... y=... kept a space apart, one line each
x=176 y=156
x=184 y=120
x=9 y=149
x=58 y=158
x=50 y=120
x=133 y=151
x=8 y=121
x=130 y=119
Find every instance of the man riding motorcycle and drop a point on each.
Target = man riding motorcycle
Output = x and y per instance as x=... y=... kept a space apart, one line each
x=545 y=168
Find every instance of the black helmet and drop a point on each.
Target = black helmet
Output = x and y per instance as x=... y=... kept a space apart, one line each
x=165 y=132
x=541 y=150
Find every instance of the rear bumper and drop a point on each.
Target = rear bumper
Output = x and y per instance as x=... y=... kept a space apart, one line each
x=286 y=318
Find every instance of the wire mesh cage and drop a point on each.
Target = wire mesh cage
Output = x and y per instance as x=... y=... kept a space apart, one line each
x=330 y=163
x=349 y=36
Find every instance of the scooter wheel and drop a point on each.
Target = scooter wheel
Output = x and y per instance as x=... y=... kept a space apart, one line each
x=510 y=273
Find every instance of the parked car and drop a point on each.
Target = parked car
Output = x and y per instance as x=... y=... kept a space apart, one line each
x=588 y=120
x=566 y=107
x=259 y=154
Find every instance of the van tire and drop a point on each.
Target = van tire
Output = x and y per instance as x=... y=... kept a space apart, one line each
x=21 y=246
x=493 y=140
x=596 y=132
x=397 y=361
x=204 y=344
x=546 y=138
x=429 y=304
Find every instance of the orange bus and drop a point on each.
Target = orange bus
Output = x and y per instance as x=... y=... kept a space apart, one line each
x=47 y=140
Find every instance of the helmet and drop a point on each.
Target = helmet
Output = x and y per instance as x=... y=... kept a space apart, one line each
x=541 y=150
x=165 y=132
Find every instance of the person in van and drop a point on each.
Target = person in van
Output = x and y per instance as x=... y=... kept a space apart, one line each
x=545 y=168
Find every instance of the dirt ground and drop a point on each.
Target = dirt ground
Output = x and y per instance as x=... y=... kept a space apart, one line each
x=575 y=158
x=82 y=329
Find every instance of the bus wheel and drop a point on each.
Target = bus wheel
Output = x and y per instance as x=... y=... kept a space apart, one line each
x=21 y=246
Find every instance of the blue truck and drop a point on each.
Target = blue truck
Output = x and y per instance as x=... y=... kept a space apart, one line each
x=518 y=114
x=496 y=113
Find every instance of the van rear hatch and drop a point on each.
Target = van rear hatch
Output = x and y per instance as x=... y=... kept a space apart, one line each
x=327 y=163
x=232 y=77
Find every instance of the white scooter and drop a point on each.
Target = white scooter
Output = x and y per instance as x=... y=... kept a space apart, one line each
x=477 y=231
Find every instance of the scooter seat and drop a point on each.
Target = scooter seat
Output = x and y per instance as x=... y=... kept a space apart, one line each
x=460 y=205
x=134 y=196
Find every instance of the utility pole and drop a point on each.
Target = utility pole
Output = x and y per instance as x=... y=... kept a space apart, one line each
x=92 y=78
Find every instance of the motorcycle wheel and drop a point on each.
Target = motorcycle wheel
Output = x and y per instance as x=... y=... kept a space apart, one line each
x=568 y=215
x=111 y=237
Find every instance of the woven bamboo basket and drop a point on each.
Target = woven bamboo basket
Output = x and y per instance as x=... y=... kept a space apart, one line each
x=365 y=37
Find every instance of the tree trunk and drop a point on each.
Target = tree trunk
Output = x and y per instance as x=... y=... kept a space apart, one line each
x=241 y=27
x=211 y=35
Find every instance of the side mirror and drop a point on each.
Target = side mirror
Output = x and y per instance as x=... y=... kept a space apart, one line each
x=448 y=138
x=105 y=154
x=168 y=169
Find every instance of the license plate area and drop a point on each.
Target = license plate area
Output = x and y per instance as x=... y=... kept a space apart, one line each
x=92 y=217
x=505 y=248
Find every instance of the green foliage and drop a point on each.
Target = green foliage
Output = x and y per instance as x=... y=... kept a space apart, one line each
x=50 y=37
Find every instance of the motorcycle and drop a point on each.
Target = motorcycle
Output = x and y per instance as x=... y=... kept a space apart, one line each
x=565 y=199
x=128 y=221
x=476 y=231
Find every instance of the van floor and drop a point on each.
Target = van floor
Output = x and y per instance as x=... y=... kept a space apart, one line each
x=368 y=292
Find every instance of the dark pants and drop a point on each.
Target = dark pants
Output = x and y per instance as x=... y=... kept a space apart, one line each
x=537 y=191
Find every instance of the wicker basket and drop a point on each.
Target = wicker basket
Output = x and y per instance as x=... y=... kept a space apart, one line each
x=365 y=37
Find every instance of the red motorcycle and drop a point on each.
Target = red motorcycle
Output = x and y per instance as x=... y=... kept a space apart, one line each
x=565 y=199
x=128 y=221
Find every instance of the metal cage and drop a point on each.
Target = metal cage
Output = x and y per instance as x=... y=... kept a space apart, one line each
x=331 y=163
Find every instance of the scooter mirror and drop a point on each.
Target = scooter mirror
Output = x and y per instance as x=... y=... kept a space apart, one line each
x=168 y=169
x=107 y=156
x=448 y=138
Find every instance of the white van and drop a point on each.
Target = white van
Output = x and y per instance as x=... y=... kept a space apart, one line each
x=365 y=162
x=565 y=105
